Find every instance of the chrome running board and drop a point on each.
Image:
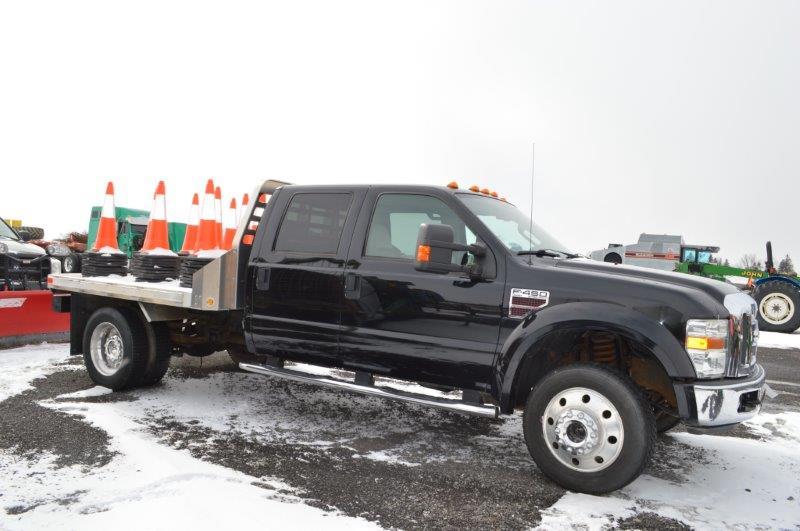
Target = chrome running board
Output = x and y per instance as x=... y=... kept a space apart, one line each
x=469 y=408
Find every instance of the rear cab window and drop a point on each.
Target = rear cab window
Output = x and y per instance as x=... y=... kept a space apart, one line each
x=313 y=223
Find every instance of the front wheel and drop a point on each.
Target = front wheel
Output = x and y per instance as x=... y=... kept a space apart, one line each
x=778 y=306
x=71 y=263
x=589 y=428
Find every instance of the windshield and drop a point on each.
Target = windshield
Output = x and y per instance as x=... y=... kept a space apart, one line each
x=5 y=231
x=511 y=226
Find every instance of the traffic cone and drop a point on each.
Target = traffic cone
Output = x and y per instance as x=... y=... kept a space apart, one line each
x=207 y=227
x=218 y=213
x=191 y=229
x=157 y=236
x=231 y=224
x=106 y=239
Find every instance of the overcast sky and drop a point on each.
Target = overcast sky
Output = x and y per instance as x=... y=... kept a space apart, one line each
x=668 y=117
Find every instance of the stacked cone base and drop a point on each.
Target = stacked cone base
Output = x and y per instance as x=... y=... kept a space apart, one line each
x=155 y=267
x=189 y=265
x=103 y=264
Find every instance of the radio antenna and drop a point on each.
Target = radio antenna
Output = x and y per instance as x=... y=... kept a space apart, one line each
x=530 y=227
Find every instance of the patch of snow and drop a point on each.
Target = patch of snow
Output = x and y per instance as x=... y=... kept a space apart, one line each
x=87 y=393
x=745 y=483
x=159 y=251
x=149 y=486
x=778 y=340
x=20 y=366
x=739 y=282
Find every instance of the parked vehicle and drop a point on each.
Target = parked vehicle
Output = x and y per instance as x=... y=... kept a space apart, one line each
x=451 y=289
x=778 y=298
x=657 y=251
x=25 y=302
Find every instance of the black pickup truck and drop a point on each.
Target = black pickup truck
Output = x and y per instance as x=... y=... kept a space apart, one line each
x=452 y=289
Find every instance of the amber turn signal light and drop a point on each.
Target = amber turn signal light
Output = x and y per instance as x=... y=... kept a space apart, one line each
x=453 y=185
x=423 y=253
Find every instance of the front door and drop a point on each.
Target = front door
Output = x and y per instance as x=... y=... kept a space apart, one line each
x=436 y=328
x=297 y=275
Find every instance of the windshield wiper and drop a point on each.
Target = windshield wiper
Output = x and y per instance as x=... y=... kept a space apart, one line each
x=547 y=252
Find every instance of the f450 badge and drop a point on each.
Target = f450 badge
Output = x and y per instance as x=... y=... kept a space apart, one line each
x=524 y=301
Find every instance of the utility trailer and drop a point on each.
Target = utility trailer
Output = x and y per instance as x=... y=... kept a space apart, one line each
x=453 y=290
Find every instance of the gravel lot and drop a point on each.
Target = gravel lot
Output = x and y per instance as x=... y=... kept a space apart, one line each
x=351 y=460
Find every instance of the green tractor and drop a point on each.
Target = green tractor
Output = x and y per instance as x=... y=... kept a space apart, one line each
x=777 y=295
x=131 y=229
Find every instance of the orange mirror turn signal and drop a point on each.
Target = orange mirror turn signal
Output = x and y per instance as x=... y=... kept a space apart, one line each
x=423 y=253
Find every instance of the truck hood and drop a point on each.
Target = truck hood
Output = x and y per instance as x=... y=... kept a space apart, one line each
x=714 y=288
x=20 y=247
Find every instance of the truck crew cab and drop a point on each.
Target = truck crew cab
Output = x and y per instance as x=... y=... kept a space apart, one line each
x=452 y=289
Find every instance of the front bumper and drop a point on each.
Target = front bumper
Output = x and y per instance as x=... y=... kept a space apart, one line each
x=717 y=404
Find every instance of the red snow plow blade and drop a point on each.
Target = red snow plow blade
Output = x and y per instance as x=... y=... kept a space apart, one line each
x=28 y=317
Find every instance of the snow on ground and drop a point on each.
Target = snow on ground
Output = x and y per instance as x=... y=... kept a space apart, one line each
x=719 y=481
x=22 y=365
x=777 y=340
x=746 y=483
x=150 y=484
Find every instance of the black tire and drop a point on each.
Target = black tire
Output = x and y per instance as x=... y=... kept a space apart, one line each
x=34 y=233
x=635 y=414
x=134 y=348
x=71 y=263
x=783 y=290
x=160 y=354
x=613 y=258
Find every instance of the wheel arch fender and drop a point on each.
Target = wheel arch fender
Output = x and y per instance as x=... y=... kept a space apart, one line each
x=769 y=280
x=628 y=323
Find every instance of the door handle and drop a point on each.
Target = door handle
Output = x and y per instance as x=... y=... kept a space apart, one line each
x=262 y=278
x=352 y=286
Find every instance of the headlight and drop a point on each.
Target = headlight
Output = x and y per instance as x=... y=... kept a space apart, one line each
x=3 y=248
x=707 y=346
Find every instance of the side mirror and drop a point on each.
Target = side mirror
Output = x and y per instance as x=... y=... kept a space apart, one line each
x=435 y=246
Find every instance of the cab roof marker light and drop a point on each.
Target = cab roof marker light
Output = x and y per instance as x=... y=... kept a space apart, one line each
x=485 y=191
x=453 y=185
x=474 y=188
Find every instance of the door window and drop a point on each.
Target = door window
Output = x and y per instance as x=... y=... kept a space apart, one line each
x=313 y=223
x=395 y=225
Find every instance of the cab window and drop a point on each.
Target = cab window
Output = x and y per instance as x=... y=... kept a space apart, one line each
x=395 y=224
x=313 y=223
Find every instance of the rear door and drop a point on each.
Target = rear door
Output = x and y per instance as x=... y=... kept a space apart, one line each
x=436 y=328
x=297 y=273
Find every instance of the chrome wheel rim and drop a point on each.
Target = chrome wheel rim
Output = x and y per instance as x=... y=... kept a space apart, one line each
x=68 y=265
x=583 y=429
x=107 y=351
x=776 y=308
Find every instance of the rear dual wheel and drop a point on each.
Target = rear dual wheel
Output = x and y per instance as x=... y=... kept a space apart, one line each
x=589 y=428
x=120 y=351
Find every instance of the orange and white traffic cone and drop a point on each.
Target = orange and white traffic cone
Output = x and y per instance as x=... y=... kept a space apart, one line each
x=231 y=224
x=218 y=212
x=106 y=239
x=191 y=228
x=157 y=236
x=245 y=202
x=207 y=227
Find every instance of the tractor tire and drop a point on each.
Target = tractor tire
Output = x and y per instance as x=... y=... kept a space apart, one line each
x=71 y=263
x=116 y=348
x=778 y=306
x=613 y=258
x=589 y=428
x=34 y=233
